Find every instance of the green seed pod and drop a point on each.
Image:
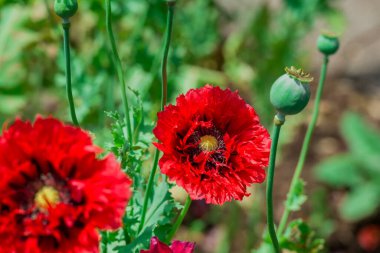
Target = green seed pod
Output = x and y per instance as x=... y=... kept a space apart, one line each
x=328 y=43
x=65 y=8
x=290 y=93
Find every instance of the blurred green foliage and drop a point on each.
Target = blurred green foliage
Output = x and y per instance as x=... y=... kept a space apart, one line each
x=295 y=201
x=358 y=170
x=300 y=238
x=250 y=56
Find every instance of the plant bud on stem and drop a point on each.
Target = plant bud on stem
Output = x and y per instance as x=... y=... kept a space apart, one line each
x=65 y=8
x=328 y=45
x=289 y=94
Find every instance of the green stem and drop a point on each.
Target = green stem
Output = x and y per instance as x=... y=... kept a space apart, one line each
x=169 y=26
x=306 y=143
x=104 y=242
x=66 y=45
x=149 y=189
x=179 y=221
x=119 y=70
x=164 y=89
x=278 y=122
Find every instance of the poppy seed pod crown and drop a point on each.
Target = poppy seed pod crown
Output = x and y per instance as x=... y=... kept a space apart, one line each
x=65 y=8
x=328 y=43
x=290 y=93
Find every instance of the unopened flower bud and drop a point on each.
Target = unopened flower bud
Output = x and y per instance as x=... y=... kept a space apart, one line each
x=290 y=93
x=65 y=8
x=328 y=43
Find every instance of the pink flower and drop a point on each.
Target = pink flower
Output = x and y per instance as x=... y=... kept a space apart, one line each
x=177 y=247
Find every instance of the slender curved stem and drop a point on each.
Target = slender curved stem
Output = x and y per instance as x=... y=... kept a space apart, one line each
x=306 y=143
x=169 y=26
x=164 y=85
x=119 y=70
x=179 y=221
x=279 y=120
x=66 y=45
x=149 y=189
x=104 y=236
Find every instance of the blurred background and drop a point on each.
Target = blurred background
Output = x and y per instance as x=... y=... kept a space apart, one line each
x=241 y=44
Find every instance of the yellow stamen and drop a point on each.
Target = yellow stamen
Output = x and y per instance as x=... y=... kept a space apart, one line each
x=208 y=143
x=47 y=196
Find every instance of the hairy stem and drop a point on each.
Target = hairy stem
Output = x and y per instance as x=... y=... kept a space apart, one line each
x=119 y=70
x=164 y=75
x=305 y=145
x=66 y=45
x=279 y=120
x=179 y=221
x=164 y=89
x=149 y=189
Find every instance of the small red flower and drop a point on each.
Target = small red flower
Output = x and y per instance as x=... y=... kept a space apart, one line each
x=177 y=247
x=213 y=144
x=369 y=237
x=55 y=192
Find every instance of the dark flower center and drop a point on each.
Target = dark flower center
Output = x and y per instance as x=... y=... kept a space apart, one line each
x=40 y=189
x=204 y=146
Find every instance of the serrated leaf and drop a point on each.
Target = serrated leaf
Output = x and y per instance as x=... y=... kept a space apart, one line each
x=339 y=171
x=358 y=169
x=111 y=240
x=295 y=199
x=160 y=214
x=300 y=238
x=361 y=202
x=162 y=206
x=140 y=242
x=360 y=136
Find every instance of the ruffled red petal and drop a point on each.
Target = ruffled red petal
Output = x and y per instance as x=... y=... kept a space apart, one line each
x=93 y=192
x=243 y=152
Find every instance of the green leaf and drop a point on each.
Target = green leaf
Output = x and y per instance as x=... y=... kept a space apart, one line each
x=296 y=198
x=339 y=171
x=358 y=169
x=369 y=165
x=160 y=214
x=361 y=202
x=361 y=137
x=110 y=240
x=140 y=242
x=264 y=248
x=162 y=208
x=300 y=238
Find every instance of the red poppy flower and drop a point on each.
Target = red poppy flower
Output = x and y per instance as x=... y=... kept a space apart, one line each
x=177 y=247
x=213 y=144
x=55 y=192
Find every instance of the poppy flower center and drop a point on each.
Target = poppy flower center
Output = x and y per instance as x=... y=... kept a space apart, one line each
x=47 y=196
x=208 y=143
